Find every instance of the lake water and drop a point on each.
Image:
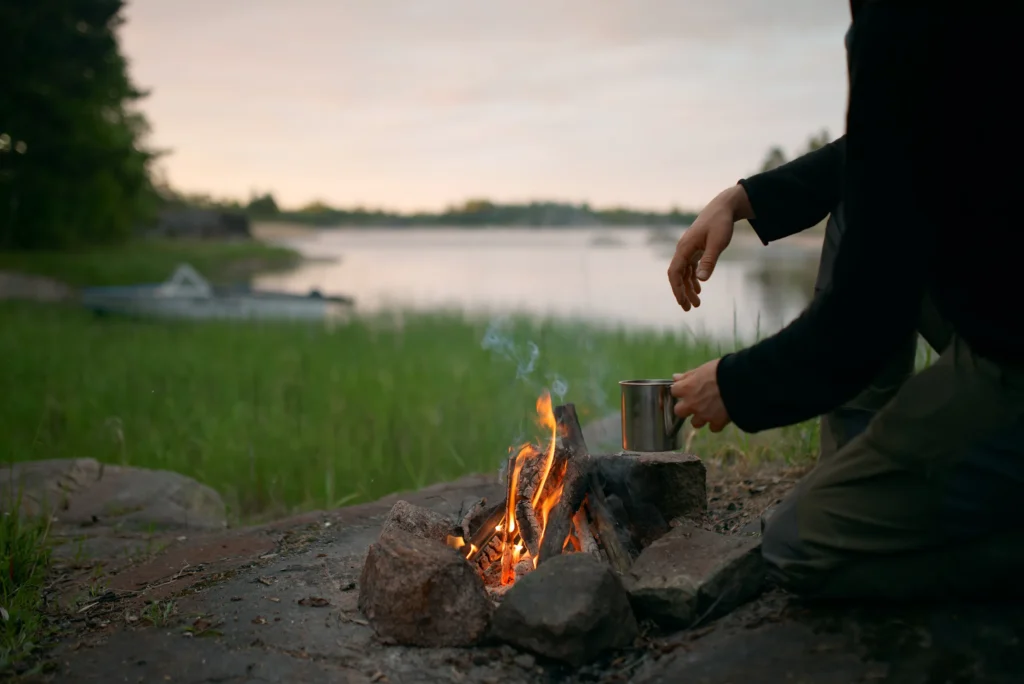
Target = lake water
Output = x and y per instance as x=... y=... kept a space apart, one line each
x=605 y=276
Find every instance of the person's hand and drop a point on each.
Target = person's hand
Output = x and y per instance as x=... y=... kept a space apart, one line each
x=698 y=396
x=702 y=243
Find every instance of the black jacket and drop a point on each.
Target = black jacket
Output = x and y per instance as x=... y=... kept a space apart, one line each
x=930 y=186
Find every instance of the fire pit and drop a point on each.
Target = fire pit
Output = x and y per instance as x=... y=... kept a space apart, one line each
x=558 y=499
x=491 y=571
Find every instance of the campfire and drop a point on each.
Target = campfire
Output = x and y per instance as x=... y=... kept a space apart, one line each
x=557 y=500
x=550 y=566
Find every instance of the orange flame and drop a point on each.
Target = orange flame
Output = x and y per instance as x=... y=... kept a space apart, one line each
x=542 y=502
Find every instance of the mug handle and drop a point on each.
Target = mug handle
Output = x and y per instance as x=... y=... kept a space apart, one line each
x=677 y=425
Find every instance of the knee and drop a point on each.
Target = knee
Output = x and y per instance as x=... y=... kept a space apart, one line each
x=789 y=562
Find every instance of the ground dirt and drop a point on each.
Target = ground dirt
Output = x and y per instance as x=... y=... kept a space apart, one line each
x=277 y=603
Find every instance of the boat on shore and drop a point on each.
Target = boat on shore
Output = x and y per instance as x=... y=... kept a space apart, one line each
x=187 y=295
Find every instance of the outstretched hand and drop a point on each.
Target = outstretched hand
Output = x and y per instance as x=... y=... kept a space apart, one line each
x=702 y=243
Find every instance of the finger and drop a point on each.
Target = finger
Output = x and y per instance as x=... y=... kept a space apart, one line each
x=677 y=387
x=686 y=255
x=692 y=287
x=692 y=297
x=714 y=248
x=682 y=409
x=697 y=423
x=676 y=279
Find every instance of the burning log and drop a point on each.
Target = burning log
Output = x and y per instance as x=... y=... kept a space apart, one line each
x=529 y=526
x=508 y=572
x=586 y=538
x=531 y=480
x=481 y=538
x=472 y=511
x=559 y=499
x=574 y=485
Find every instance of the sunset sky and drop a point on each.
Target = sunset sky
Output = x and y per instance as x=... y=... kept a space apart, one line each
x=417 y=104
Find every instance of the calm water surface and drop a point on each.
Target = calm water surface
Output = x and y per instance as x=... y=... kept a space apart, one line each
x=608 y=276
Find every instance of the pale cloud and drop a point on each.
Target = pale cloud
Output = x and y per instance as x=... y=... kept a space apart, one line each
x=418 y=103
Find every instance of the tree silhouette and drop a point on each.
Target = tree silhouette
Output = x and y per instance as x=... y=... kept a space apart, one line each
x=774 y=159
x=75 y=170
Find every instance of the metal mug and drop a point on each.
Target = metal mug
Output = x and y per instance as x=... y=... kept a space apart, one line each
x=648 y=421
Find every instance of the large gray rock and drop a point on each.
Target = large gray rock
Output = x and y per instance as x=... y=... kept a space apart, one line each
x=83 y=491
x=692 y=574
x=422 y=522
x=420 y=592
x=572 y=608
x=675 y=483
x=20 y=286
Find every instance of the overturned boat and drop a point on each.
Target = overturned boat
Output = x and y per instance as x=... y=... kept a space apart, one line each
x=187 y=295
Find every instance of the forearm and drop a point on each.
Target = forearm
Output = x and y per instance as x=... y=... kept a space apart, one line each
x=839 y=343
x=796 y=195
x=736 y=202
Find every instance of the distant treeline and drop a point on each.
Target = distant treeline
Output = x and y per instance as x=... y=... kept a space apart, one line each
x=472 y=213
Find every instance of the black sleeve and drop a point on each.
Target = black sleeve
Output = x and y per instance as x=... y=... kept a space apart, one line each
x=796 y=195
x=832 y=350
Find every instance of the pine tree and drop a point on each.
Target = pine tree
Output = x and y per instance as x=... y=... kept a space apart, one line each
x=75 y=171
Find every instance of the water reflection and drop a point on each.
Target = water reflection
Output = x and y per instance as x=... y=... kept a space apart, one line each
x=606 y=276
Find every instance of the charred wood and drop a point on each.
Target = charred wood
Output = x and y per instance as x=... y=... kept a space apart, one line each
x=586 y=538
x=605 y=528
x=481 y=537
x=620 y=518
x=642 y=518
x=575 y=483
x=473 y=511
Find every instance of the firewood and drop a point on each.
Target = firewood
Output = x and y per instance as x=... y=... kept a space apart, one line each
x=586 y=538
x=530 y=480
x=620 y=519
x=575 y=483
x=508 y=573
x=481 y=537
x=472 y=510
x=529 y=526
x=604 y=527
x=642 y=518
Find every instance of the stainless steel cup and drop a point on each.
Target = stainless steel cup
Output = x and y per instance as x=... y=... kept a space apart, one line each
x=648 y=423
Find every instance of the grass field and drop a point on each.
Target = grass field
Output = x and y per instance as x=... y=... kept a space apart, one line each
x=281 y=417
x=151 y=260
x=24 y=559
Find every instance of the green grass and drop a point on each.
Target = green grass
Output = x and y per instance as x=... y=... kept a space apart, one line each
x=24 y=559
x=281 y=417
x=150 y=260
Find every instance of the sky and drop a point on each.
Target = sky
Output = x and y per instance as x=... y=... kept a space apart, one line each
x=419 y=104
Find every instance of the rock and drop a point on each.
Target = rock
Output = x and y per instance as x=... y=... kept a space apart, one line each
x=420 y=592
x=85 y=492
x=691 y=573
x=421 y=522
x=676 y=483
x=525 y=661
x=572 y=608
x=32 y=288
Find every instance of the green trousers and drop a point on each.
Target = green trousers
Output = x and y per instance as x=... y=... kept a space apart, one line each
x=914 y=492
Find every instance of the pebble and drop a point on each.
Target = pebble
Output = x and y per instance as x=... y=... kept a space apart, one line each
x=525 y=661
